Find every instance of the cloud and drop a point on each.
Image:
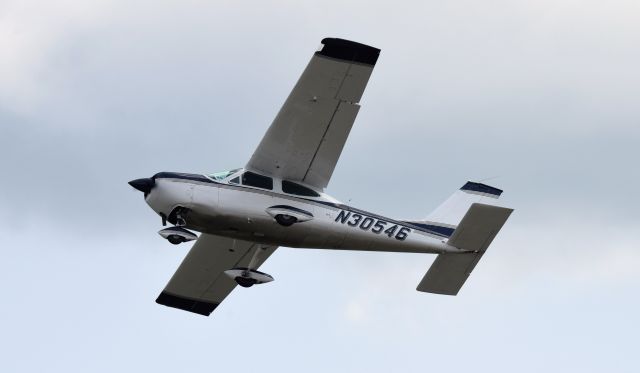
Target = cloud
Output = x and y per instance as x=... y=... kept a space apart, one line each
x=32 y=36
x=571 y=251
x=93 y=94
x=354 y=311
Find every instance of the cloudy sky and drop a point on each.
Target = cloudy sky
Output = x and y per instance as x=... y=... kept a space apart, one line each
x=540 y=98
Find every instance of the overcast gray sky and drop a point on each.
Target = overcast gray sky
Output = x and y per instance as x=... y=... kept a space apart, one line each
x=541 y=98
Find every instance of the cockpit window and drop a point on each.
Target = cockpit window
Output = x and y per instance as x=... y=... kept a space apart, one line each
x=223 y=175
x=258 y=181
x=297 y=189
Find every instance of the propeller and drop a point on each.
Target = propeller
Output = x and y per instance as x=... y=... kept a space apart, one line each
x=144 y=185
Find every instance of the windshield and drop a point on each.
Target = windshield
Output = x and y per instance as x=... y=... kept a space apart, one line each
x=224 y=174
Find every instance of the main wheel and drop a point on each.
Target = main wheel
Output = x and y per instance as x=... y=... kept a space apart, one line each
x=286 y=220
x=175 y=239
x=245 y=282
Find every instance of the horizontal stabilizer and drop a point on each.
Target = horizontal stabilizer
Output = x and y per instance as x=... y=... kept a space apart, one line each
x=448 y=273
x=474 y=234
x=479 y=227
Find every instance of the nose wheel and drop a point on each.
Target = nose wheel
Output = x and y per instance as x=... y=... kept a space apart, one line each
x=175 y=239
x=177 y=235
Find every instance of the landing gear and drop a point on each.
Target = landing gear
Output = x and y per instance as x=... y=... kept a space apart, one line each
x=247 y=277
x=177 y=235
x=175 y=239
x=288 y=215
x=164 y=219
x=286 y=220
x=246 y=282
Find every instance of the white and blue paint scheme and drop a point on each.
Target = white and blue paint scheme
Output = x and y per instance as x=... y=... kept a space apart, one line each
x=279 y=199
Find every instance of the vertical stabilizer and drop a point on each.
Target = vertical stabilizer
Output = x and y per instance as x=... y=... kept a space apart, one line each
x=451 y=211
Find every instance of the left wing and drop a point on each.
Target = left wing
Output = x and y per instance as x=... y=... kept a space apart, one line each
x=306 y=138
x=200 y=284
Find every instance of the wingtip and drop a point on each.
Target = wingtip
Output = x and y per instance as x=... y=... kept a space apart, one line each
x=349 y=51
x=186 y=304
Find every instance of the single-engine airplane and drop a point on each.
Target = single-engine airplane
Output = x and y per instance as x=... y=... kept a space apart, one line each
x=279 y=199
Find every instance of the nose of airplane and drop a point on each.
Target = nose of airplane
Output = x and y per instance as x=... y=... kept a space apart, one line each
x=144 y=185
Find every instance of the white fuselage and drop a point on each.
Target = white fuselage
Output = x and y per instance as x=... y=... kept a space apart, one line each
x=239 y=211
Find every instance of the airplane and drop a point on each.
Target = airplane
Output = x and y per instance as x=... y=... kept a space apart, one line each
x=279 y=199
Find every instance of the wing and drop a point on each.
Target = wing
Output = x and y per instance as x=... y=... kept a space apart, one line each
x=306 y=138
x=200 y=284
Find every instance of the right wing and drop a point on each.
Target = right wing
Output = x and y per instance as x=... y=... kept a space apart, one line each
x=306 y=138
x=200 y=284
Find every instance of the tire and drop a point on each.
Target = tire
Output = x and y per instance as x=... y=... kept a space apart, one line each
x=245 y=282
x=175 y=239
x=286 y=220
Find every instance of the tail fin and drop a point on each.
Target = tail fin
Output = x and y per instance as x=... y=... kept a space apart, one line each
x=444 y=219
x=474 y=234
x=452 y=210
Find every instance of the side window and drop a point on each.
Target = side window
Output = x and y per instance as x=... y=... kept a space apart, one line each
x=235 y=180
x=258 y=181
x=297 y=189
